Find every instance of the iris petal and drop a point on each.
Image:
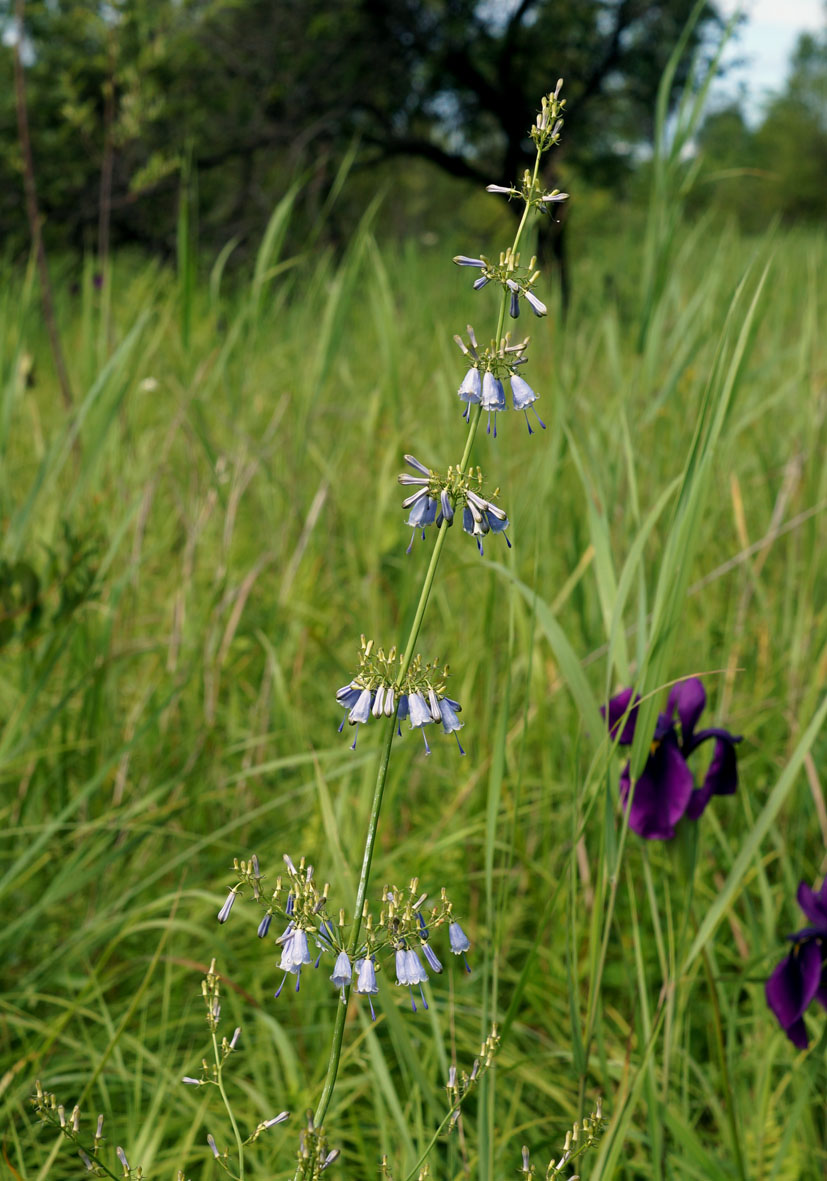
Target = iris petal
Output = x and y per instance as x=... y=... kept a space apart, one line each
x=814 y=903
x=662 y=793
x=791 y=987
x=688 y=698
x=617 y=708
x=722 y=776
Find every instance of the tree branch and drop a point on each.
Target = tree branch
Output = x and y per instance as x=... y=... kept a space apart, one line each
x=33 y=212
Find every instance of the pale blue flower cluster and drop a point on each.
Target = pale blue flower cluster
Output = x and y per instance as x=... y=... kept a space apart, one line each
x=361 y=704
x=483 y=382
x=479 y=516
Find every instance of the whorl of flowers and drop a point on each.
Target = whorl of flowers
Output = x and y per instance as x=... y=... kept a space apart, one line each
x=483 y=383
x=402 y=926
x=378 y=690
x=437 y=498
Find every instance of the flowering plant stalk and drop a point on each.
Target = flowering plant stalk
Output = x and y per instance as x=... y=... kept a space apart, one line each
x=390 y=687
x=513 y=281
x=387 y=688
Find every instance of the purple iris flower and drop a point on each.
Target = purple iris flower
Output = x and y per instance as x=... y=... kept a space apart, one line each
x=802 y=976
x=665 y=791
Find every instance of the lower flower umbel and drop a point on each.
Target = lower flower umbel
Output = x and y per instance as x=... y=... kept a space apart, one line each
x=402 y=927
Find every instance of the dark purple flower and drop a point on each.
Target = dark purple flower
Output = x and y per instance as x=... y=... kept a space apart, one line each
x=802 y=976
x=665 y=791
x=814 y=904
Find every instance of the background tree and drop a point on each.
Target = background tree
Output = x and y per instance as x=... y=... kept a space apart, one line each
x=256 y=90
x=776 y=165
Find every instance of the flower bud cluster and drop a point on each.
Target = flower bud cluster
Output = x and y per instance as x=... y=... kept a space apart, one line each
x=542 y=200
x=458 y=1086
x=584 y=1135
x=377 y=689
x=314 y=1154
x=549 y=122
x=403 y=927
x=438 y=497
x=508 y=272
x=54 y=1114
x=211 y=1074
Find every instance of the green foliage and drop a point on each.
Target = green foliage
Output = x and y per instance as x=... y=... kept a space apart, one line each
x=254 y=93
x=777 y=166
x=230 y=515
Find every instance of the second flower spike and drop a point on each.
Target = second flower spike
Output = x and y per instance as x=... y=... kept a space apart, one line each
x=419 y=694
x=437 y=498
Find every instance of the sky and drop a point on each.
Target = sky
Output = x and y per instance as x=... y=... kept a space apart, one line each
x=765 y=42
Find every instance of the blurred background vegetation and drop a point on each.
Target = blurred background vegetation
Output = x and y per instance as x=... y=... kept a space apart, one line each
x=419 y=95
x=250 y=210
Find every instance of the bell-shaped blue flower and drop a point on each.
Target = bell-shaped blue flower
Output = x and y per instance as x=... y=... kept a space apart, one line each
x=431 y=957
x=523 y=396
x=493 y=397
x=470 y=391
x=224 y=913
x=360 y=712
x=342 y=972
x=457 y=938
x=459 y=941
x=423 y=512
x=481 y=516
x=409 y=971
x=446 y=509
x=420 y=715
x=537 y=306
x=366 y=980
x=450 y=722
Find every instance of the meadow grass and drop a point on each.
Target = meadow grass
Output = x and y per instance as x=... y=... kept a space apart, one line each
x=232 y=489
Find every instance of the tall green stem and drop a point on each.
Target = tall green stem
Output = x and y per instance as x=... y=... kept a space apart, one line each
x=220 y=1080
x=384 y=759
x=376 y=805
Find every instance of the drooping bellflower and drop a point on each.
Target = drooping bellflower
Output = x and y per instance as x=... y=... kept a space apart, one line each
x=342 y=973
x=409 y=971
x=459 y=941
x=294 y=954
x=481 y=516
x=493 y=398
x=523 y=396
x=366 y=981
